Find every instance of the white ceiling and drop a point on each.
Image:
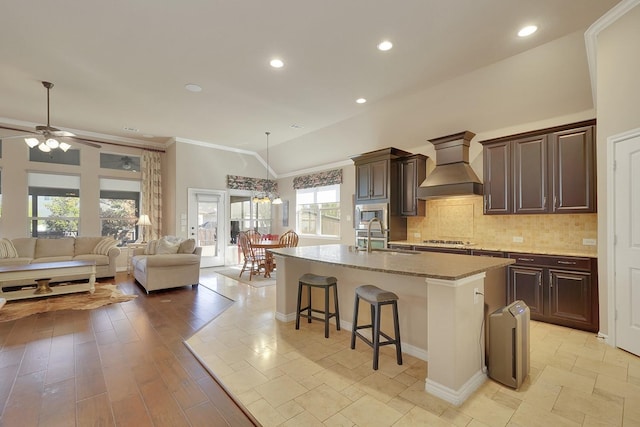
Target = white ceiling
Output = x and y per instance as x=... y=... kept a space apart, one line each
x=124 y=64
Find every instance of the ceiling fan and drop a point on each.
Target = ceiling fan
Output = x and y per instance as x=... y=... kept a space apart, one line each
x=47 y=137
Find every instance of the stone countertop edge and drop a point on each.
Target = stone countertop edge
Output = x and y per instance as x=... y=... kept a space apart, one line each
x=481 y=247
x=421 y=264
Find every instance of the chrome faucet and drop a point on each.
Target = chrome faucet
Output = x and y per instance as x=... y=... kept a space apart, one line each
x=375 y=219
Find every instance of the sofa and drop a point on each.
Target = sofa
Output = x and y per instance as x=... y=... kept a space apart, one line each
x=167 y=263
x=29 y=250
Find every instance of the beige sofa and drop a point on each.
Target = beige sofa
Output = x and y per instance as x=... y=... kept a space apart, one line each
x=102 y=250
x=165 y=264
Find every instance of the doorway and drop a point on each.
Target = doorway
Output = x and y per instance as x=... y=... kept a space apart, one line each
x=207 y=224
x=625 y=250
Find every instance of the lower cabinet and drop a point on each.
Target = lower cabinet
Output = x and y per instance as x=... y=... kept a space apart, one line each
x=560 y=290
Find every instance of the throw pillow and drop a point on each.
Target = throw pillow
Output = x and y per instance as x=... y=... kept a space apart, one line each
x=7 y=250
x=151 y=247
x=103 y=246
x=166 y=246
x=187 y=246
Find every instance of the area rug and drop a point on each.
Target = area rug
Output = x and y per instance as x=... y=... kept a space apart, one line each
x=104 y=294
x=257 y=281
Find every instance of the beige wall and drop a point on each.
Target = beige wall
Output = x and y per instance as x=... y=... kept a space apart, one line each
x=618 y=97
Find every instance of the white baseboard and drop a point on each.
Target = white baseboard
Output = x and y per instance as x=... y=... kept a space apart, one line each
x=455 y=397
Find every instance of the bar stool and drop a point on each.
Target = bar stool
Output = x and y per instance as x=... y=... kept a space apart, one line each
x=325 y=282
x=377 y=298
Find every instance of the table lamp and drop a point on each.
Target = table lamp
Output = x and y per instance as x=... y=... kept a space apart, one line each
x=144 y=222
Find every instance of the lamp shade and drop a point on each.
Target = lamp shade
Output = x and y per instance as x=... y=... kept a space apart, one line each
x=144 y=220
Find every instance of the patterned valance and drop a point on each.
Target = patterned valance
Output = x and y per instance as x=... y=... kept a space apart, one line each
x=319 y=179
x=236 y=182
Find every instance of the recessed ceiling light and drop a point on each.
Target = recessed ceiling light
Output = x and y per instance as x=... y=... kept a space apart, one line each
x=192 y=87
x=361 y=100
x=276 y=63
x=527 y=31
x=385 y=45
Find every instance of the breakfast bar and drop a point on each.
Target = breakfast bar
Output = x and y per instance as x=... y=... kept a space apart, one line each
x=443 y=301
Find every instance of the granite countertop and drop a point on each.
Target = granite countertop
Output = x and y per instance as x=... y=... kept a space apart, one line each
x=484 y=247
x=422 y=264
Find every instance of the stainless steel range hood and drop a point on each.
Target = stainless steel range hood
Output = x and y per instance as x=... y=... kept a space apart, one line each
x=452 y=176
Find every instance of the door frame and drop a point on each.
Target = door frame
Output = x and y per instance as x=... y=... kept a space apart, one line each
x=222 y=213
x=611 y=227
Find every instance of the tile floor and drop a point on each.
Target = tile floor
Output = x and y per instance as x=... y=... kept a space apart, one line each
x=286 y=377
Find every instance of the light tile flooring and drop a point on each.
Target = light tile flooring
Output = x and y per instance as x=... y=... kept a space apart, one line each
x=286 y=377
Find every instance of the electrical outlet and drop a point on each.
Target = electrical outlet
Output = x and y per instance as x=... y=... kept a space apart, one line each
x=416 y=235
x=518 y=239
x=589 y=242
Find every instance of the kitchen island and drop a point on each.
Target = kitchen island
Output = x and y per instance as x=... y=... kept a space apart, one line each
x=443 y=301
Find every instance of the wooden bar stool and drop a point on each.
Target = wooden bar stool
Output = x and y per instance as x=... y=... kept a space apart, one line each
x=377 y=298
x=325 y=282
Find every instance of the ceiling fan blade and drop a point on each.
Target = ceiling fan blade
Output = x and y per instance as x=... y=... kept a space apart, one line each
x=84 y=141
x=25 y=132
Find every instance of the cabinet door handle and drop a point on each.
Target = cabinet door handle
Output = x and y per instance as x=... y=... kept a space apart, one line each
x=526 y=259
x=544 y=202
x=486 y=206
x=567 y=262
x=540 y=280
x=555 y=202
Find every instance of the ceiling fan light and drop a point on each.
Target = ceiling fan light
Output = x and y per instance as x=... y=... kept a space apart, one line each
x=52 y=143
x=32 y=142
x=64 y=146
x=44 y=147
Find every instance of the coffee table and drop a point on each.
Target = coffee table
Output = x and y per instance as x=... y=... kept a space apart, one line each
x=43 y=273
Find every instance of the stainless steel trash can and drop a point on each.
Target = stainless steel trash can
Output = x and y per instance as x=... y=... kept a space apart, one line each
x=509 y=344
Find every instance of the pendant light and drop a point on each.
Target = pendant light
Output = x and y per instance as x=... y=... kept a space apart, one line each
x=267 y=195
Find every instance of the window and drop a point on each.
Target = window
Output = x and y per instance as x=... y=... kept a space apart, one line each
x=318 y=211
x=54 y=205
x=120 y=162
x=70 y=157
x=119 y=208
x=248 y=215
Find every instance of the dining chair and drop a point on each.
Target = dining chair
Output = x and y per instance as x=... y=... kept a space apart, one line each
x=289 y=239
x=254 y=258
x=254 y=235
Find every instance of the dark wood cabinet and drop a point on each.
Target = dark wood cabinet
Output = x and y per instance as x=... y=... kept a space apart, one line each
x=497 y=182
x=547 y=171
x=572 y=156
x=372 y=180
x=530 y=175
x=560 y=290
x=373 y=174
x=411 y=172
x=459 y=251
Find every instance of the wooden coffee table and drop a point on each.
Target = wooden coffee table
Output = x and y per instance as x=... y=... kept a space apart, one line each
x=43 y=273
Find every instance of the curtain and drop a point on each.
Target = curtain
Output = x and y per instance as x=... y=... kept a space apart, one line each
x=152 y=193
x=319 y=179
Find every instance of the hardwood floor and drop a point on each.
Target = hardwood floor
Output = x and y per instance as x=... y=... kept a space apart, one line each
x=119 y=365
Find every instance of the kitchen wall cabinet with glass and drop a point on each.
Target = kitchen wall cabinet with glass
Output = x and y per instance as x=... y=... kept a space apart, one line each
x=547 y=171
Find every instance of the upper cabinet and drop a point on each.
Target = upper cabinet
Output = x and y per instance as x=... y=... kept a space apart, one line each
x=548 y=171
x=372 y=180
x=391 y=176
x=412 y=171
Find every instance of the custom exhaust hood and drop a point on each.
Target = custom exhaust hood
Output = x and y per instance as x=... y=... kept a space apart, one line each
x=452 y=176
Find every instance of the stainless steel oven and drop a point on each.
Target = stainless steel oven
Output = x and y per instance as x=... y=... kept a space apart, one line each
x=366 y=212
x=379 y=231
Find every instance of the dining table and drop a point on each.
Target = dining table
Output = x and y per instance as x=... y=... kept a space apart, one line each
x=265 y=245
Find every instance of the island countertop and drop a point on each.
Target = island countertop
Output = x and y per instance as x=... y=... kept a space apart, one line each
x=422 y=264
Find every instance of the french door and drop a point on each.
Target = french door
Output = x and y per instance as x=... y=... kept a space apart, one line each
x=206 y=224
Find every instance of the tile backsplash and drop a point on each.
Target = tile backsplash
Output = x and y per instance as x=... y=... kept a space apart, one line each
x=462 y=219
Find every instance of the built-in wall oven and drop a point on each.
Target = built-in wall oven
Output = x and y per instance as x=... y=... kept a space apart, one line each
x=364 y=213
